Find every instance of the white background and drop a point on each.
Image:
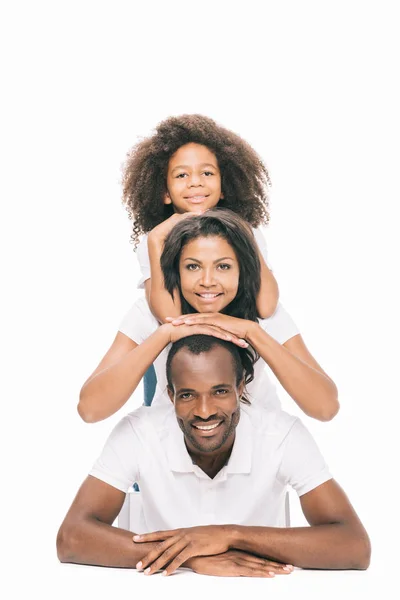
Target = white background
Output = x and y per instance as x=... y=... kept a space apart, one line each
x=313 y=86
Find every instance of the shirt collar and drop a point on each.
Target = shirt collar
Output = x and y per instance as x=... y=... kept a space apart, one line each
x=239 y=461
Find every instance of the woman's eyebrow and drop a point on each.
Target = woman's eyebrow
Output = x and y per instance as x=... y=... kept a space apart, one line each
x=215 y=261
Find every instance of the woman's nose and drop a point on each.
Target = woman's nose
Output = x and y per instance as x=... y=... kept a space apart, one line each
x=207 y=277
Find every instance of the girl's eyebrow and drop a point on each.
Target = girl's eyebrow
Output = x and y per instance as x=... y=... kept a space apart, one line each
x=188 y=166
x=215 y=261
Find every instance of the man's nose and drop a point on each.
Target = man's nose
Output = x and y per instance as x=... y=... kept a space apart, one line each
x=204 y=408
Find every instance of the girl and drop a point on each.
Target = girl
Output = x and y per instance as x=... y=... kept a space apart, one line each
x=189 y=165
x=211 y=263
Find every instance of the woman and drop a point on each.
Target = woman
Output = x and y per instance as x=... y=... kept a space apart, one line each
x=212 y=261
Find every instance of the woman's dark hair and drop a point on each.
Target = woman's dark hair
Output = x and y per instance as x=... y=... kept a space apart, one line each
x=230 y=227
x=243 y=358
x=245 y=178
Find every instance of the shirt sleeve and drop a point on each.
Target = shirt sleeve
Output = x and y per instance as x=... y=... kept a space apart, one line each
x=118 y=464
x=144 y=261
x=303 y=466
x=138 y=323
x=262 y=244
x=280 y=325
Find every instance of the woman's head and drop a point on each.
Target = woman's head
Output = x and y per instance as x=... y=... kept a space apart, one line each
x=191 y=162
x=212 y=259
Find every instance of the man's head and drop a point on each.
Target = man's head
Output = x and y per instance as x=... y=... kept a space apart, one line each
x=206 y=378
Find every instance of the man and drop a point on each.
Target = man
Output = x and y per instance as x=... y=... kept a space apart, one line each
x=213 y=474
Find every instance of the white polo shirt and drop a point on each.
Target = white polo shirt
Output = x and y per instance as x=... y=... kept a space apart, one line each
x=271 y=451
x=139 y=323
x=144 y=261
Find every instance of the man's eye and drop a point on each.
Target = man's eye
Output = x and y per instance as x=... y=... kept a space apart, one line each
x=221 y=392
x=185 y=396
x=192 y=267
x=224 y=266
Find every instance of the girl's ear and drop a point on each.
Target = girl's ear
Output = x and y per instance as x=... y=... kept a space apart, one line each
x=167 y=199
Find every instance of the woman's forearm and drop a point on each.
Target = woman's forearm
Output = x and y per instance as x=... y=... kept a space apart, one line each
x=108 y=390
x=312 y=390
x=332 y=546
x=161 y=303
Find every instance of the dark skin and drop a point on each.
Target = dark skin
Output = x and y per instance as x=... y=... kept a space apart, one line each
x=206 y=394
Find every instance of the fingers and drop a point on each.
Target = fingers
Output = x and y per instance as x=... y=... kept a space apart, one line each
x=263 y=568
x=168 y=552
x=216 y=331
x=155 y=536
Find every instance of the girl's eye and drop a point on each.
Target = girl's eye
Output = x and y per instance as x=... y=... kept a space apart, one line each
x=208 y=173
x=181 y=176
x=192 y=267
x=224 y=266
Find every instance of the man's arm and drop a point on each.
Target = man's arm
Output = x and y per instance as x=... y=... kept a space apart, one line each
x=335 y=540
x=87 y=536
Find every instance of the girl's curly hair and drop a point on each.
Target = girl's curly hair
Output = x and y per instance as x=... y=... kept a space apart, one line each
x=244 y=177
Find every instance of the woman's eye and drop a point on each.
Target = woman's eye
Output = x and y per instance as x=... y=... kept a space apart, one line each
x=224 y=266
x=192 y=267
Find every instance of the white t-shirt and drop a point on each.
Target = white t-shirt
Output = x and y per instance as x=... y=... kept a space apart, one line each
x=144 y=261
x=271 y=451
x=139 y=323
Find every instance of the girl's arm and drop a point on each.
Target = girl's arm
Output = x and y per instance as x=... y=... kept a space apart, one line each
x=161 y=303
x=268 y=296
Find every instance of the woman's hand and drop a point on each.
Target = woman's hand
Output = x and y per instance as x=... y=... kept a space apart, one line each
x=237 y=327
x=175 y=333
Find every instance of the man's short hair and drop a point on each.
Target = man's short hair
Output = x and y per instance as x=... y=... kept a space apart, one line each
x=243 y=358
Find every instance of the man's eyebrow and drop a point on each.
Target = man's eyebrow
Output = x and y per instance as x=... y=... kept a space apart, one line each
x=188 y=166
x=214 y=387
x=215 y=261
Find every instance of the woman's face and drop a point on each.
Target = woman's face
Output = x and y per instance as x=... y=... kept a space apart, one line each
x=209 y=272
x=193 y=179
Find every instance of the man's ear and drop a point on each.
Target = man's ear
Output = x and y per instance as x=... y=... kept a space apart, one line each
x=167 y=198
x=170 y=394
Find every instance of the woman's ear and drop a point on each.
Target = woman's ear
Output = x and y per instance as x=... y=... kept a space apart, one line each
x=222 y=196
x=167 y=198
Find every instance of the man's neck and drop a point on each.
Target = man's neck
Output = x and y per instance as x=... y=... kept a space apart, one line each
x=212 y=462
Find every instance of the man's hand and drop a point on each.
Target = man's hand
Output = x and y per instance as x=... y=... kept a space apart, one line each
x=179 y=545
x=236 y=563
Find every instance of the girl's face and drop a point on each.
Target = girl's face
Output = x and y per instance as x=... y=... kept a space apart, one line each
x=209 y=272
x=193 y=179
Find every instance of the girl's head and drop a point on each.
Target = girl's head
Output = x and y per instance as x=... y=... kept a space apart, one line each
x=212 y=260
x=191 y=162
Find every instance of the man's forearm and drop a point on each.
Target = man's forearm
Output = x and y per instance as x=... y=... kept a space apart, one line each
x=96 y=543
x=333 y=546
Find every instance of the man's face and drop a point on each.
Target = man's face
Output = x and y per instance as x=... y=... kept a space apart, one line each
x=206 y=398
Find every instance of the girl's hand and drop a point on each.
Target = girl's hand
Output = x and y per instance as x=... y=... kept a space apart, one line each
x=238 y=327
x=160 y=232
x=176 y=333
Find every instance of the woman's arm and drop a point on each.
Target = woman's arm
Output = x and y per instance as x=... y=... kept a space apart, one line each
x=115 y=379
x=298 y=372
x=118 y=374
x=292 y=363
